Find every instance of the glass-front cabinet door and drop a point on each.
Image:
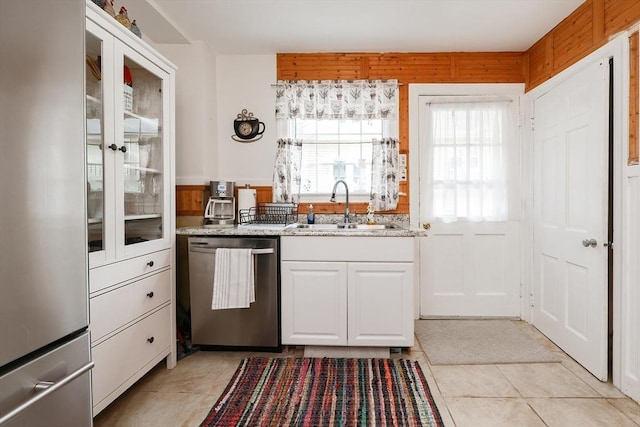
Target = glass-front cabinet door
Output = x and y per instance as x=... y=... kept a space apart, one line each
x=127 y=159
x=99 y=130
x=143 y=168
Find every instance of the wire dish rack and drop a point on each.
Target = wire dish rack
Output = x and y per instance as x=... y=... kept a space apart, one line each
x=270 y=213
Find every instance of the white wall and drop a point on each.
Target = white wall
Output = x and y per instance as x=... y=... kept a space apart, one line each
x=211 y=91
x=196 y=118
x=245 y=82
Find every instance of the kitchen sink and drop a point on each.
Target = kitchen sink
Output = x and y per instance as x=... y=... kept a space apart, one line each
x=348 y=227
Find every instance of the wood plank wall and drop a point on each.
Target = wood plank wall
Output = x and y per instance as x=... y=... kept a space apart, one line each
x=491 y=67
x=589 y=27
x=192 y=199
x=585 y=30
x=634 y=98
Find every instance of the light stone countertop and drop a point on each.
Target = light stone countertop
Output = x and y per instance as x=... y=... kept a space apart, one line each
x=290 y=231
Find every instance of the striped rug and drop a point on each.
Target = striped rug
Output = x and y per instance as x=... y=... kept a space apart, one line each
x=325 y=392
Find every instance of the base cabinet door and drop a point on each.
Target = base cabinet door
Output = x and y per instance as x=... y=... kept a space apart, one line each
x=314 y=303
x=380 y=311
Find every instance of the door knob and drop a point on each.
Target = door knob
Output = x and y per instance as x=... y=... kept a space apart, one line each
x=589 y=242
x=123 y=149
x=426 y=225
x=114 y=147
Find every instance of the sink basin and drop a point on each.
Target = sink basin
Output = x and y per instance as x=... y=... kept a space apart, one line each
x=348 y=227
x=374 y=226
x=318 y=226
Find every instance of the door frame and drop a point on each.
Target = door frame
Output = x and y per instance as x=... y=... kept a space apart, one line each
x=617 y=49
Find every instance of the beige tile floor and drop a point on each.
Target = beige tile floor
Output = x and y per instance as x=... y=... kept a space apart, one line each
x=535 y=394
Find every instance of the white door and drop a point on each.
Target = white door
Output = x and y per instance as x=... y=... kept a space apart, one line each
x=467 y=268
x=570 y=285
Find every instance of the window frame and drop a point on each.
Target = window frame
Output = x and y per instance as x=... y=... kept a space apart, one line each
x=389 y=128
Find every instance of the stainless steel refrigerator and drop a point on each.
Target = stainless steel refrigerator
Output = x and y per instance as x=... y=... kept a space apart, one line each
x=44 y=341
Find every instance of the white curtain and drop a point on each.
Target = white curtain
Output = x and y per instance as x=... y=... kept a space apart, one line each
x=469 y=141
x=385 y=174
x=286 y=173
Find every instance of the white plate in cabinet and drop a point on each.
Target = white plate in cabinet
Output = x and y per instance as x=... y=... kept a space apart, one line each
x=116 y=308
x=127 y=356
x=109 y=275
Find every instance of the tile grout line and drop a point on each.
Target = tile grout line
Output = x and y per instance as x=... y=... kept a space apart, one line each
x=435 y=381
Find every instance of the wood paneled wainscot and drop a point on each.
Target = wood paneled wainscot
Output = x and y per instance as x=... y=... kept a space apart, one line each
x=347 y=291
x=191 y=199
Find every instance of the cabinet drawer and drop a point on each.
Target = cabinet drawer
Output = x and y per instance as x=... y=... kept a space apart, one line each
x=113 y=309
x=109 y=275
x=122 y=356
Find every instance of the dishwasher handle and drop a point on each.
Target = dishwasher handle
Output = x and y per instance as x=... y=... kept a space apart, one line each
x=209 y=250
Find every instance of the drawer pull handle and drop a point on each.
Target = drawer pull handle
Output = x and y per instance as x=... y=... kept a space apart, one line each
x=150 y=263
x=150 y=340
x=150 y=294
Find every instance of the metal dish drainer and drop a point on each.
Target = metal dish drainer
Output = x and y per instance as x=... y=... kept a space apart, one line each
x=270 y=213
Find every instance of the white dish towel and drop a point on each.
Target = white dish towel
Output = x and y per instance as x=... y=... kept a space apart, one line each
x=233 y=283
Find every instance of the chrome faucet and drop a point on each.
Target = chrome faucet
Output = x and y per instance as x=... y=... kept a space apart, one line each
x=333 y=199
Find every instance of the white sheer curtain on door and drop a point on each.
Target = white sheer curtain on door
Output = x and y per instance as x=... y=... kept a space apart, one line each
x=468 y=142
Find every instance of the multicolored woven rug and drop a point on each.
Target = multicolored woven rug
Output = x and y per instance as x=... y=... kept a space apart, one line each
x=325 y=392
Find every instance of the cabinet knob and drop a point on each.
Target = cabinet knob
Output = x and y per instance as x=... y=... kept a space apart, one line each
x=123 y=149
x=150 y=263
x=150 y=340
x=114 y=147
x=150 y=294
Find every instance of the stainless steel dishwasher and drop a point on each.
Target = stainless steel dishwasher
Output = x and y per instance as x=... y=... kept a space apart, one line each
x=257 y=327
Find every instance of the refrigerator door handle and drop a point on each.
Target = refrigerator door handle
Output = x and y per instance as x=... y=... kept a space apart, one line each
x=43 y=389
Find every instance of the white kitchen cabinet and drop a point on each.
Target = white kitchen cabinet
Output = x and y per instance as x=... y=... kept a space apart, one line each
x=347 y=291
x=130 y=206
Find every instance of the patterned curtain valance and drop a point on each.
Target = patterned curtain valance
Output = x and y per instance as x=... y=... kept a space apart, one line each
x=337 y=99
